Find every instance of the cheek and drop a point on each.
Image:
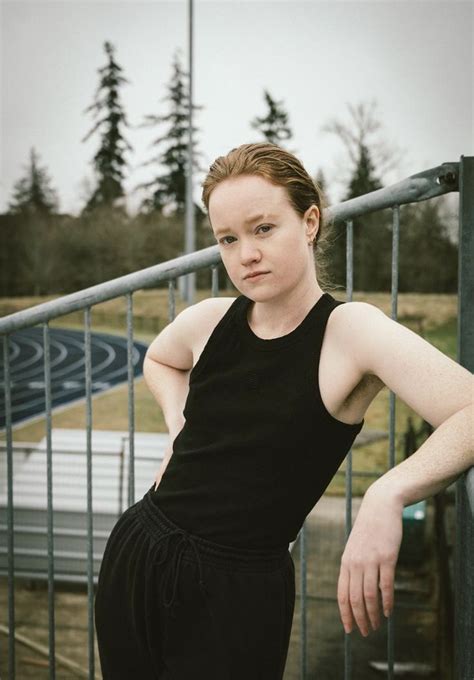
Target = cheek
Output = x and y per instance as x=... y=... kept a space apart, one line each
x=293 y=249
x=227 y=259
x=230 y=265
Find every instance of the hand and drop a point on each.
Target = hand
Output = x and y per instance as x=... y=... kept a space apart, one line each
x=369 y=560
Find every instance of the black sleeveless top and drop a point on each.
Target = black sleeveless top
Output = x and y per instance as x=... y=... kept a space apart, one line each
x=258 y=447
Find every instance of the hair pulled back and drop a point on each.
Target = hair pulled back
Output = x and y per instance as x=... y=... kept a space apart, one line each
x=281 y=168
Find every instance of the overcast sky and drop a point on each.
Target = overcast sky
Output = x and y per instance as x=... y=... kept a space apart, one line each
x=415 y=59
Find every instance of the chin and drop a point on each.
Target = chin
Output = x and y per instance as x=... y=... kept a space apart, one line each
x=260 y=295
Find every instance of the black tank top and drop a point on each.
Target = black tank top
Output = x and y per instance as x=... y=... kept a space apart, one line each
x=258 y=447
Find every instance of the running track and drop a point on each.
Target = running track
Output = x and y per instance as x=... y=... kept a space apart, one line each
x=67 y=351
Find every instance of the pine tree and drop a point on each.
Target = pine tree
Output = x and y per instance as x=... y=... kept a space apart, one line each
x=169 y=188
x=363 y=180
x=320 y=179
x=274 y=126
x=33 y=194
x=33 y=228
x=109 y=160
x=428 y=257
x=371 y=232
x=372 y=238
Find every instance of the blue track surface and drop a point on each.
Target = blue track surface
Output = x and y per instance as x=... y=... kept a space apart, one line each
x=109 y=368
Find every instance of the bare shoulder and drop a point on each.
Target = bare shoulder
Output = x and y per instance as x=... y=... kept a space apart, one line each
x=351 y=326
x=179 y=342
x=204 y=318
x=204 y=315
x=348 y=329
x=432 y=383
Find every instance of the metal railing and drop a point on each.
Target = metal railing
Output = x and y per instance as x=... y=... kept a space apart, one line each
x=448 y=177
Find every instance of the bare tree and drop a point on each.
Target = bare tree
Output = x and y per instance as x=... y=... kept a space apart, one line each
x=362 y=135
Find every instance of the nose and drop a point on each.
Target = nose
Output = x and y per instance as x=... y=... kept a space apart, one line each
x=249 y=252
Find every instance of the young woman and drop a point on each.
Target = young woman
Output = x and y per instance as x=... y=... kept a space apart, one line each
x=263 y=395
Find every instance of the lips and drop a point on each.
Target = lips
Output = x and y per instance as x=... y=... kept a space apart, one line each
x=254 y=275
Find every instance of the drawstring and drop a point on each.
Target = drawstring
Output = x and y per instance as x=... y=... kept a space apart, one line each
x=185 y=539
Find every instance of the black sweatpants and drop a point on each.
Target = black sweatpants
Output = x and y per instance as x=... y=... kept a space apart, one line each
x=171 y=605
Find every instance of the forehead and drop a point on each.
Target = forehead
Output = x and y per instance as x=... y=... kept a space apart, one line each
x=239 y=199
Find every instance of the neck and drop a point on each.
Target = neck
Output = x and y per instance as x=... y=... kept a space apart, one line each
x=282 y=314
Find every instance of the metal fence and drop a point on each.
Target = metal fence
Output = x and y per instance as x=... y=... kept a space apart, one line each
x=448 y=177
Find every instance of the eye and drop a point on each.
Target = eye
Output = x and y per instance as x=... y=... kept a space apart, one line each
x=223 y=240
x=265 y=226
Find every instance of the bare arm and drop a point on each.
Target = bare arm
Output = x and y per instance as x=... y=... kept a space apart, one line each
x=434 y=386
x=166 y=369
x=439 y=390
x=170 y=388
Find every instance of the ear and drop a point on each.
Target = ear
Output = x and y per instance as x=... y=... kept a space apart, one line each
x=311 y=218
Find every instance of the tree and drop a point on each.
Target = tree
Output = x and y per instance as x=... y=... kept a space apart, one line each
x=368 y=158
x=428 y=258
x=363 y=180
x=274 y=126
x=320 y=179
x=168 y=193
x=32 y=231
x=360 y=139
x=109 y=159
x=33 y=194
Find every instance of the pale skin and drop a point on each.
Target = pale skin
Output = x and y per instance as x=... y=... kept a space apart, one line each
x=363 y=351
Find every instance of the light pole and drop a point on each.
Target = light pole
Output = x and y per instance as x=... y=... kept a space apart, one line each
x=190 y=228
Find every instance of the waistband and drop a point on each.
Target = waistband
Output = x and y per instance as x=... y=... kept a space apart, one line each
x=195 y=549
x=215 y=554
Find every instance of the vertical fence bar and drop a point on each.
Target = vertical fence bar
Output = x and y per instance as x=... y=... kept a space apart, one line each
x=190 y=222
x=303 y=612
x=121 y=481
x=464 y=541
x=171 y=300
x=49 y=491
x=391 y=453
x=348 y=475
x=215 y=280
x=90 y=563
x=131 y=403
x=11 y=544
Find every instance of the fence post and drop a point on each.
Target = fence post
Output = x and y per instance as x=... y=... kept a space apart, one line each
x=464 y=546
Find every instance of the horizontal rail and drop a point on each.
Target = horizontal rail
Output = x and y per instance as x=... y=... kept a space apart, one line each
x=419 y=187
x=109 y=290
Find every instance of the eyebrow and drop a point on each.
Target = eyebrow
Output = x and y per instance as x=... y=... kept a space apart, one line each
x=254 y=218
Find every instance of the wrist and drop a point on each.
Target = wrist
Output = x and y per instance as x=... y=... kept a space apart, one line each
x=383 y=492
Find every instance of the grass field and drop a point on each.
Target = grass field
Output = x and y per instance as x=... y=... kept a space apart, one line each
x=432 y=316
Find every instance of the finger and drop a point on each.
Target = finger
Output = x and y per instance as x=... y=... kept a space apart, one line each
x=371 y=595
x=343 y=599
x=356 y=596
x=387 y=576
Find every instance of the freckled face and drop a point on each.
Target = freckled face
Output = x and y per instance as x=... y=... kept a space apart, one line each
x=275 y=242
